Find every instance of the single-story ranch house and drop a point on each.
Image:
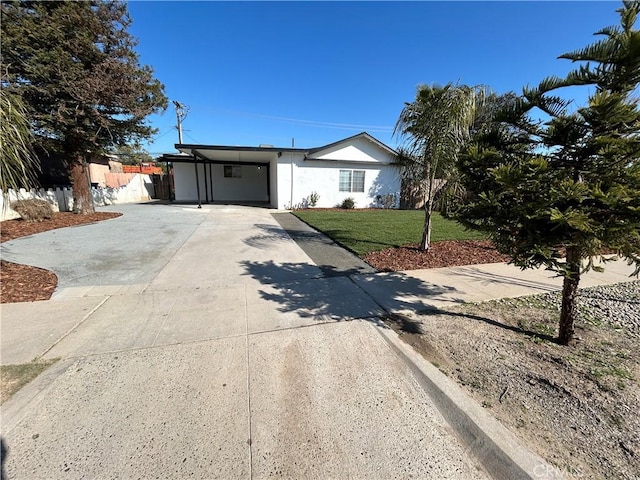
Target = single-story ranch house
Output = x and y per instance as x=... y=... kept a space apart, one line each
x=360 y=167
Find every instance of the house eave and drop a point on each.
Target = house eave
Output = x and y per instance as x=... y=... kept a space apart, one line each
x=188 y=148
x=364 y=135
x=353 y=162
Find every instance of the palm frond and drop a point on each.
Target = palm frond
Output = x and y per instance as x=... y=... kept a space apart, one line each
x=18 y=163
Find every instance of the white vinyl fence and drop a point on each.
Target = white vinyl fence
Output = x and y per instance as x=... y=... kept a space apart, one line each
x=139 y=189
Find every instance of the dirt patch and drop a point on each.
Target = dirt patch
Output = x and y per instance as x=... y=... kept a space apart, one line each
x=575 y=406
x=24 y=283
x=451 y=253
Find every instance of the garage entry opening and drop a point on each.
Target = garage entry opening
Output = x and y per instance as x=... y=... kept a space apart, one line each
x=220 y=181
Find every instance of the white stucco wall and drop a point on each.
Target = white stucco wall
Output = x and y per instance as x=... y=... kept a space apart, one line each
x=185 y=182
x=283 y=178
x=273 y=180
x=323 y=178
x=356 y=150
x=250 y=187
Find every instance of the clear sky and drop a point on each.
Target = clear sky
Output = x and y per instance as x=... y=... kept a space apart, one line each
x=263 y=73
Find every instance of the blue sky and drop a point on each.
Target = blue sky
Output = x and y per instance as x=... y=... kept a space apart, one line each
x=265 y=72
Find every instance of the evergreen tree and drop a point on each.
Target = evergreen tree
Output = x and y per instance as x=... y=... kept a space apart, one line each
x=132 y=154
x=74 y=66
x=558 y=191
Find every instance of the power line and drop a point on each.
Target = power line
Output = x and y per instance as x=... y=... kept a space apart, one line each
x=191 y=138
x=161 y=135
x=311 y=123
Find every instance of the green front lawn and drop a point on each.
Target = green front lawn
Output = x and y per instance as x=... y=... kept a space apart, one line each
x=365 y=231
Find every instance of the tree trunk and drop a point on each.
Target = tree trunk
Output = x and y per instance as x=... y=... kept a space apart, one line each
x=82 y=200
x=426 y=230
x=428 y=207
x=569 y=311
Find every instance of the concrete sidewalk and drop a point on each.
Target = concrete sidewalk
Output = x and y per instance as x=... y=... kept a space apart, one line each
x=411 y=291
x=268 y=295
x=234 y=360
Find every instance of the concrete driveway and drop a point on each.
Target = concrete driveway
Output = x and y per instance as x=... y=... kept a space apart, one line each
x=131 y=249
x=206 y=343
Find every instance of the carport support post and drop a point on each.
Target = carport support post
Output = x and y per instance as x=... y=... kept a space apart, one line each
x=195 y=164
x=206 y=183
x=210 y=181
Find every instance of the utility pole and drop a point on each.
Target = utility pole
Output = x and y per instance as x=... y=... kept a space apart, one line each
x=181 y=114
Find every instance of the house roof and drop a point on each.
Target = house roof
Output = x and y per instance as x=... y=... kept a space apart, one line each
x=184 y=147
x=364 y=135
x=238 y=153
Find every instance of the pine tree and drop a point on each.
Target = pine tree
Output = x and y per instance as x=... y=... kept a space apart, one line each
x=559 y=191
x=75 y=68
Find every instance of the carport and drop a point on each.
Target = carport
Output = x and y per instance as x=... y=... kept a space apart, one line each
x=215 y=173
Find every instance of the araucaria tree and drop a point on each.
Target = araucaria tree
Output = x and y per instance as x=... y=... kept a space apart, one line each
x=74 y=66
x=555 y=187
x=434 y=127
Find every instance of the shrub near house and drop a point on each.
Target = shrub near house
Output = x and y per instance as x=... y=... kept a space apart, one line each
x=33 y=210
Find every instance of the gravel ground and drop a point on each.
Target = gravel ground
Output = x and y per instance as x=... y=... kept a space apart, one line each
x=617 y=305
x=576 y=406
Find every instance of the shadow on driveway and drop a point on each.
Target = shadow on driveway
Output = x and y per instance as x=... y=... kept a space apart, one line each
x=335 y=296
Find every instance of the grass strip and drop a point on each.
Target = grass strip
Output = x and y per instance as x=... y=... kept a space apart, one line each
x=14 y=377
x=364 y=231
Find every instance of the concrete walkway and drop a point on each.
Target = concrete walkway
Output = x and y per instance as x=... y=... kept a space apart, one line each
x=413 y=291
x=231 y=358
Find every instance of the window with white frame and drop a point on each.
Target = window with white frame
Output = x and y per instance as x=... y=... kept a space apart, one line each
x=351 y=181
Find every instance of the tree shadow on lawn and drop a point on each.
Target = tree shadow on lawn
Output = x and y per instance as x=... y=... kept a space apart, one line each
x=340 y=237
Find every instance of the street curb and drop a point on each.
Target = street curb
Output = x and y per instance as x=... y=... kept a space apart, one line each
x=499 y=451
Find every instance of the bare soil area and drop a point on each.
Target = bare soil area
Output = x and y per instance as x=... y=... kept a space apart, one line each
x=24 y=283
x=575 y=406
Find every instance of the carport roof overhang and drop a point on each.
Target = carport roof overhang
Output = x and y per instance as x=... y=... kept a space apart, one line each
x=225 y=154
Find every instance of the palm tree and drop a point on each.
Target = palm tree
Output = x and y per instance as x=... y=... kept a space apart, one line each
x=18 y=163
x=435 y=126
